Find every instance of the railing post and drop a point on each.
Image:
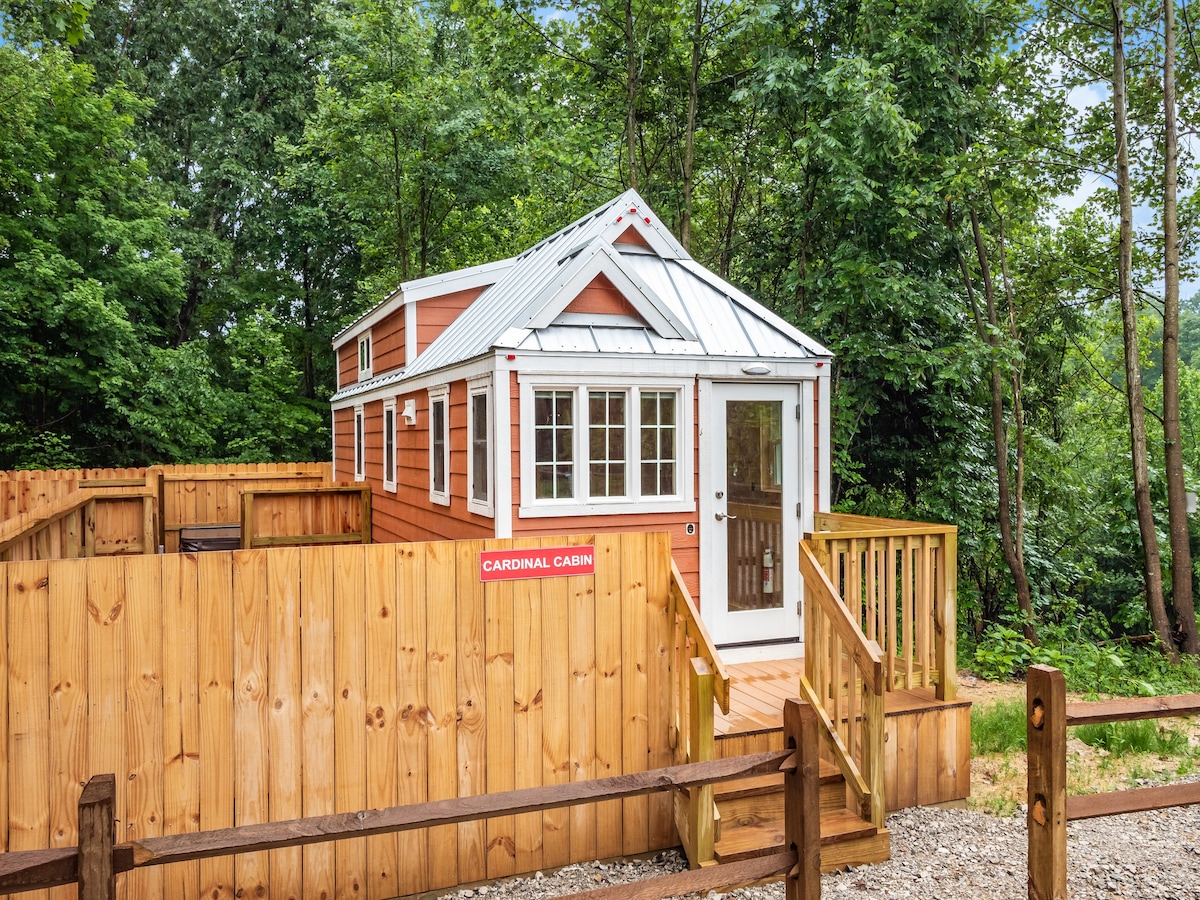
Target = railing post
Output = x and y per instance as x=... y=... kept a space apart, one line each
x=89 y=528
x=365 y=515
x=701 y=748
x=96 y=804
x=802 y=801
x=873 y=734
x=247 y=519
x=946 y=627
x=1046 y=817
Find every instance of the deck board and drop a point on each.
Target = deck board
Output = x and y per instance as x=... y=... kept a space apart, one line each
x=757 y=692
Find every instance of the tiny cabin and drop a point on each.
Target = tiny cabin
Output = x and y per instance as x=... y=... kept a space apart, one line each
x=600 y=381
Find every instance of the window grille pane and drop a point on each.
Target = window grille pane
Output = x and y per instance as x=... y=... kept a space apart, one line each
x=606 y=443
x=658 y=443
x=554 y=444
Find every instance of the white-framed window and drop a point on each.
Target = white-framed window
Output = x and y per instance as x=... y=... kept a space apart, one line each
x=439 y=445
x=480 y=472
x=365 y=359
x=605 y=447
x=360 y=465
x=389 y=445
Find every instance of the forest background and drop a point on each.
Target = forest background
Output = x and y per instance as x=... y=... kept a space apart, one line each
x=196 y=195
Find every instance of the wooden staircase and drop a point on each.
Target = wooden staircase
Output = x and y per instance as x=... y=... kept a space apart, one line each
x=749 y=822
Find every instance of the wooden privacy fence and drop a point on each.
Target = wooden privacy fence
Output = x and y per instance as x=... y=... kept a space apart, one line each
x=188 y=494
x=319 y=514
x=233 y=688
x=1049 y=808
x=83 y=523
x=97 y=859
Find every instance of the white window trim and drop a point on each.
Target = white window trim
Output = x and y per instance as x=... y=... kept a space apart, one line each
x=360 y=444
x=632 y=503
x=365 y=343
x=475 y=387
x=441 y=393
x=389 y=478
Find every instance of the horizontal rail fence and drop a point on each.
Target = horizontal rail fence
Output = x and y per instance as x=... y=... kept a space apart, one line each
x=1048 y=714
x=82 y=524
x=317 y=514
x=24 y=491
x=99 y=858
x=243 y=687
x=899 y=580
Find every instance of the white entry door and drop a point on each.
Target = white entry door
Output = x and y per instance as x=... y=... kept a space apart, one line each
x=753 y=515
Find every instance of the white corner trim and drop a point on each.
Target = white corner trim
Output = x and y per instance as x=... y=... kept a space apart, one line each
x=502 y=452
x=825 y=430
x=410 y=334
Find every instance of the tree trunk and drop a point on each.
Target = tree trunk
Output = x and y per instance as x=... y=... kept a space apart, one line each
x=689 y=137
x=1181 y=550
x=1133 y=372
x=631 y=87
x=1013 y=555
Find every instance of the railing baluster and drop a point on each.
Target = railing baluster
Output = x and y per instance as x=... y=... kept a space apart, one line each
x=906 y=594
x=889 y=646
x=872 y=605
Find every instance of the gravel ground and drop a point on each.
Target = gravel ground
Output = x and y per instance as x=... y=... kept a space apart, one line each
x=956 y=855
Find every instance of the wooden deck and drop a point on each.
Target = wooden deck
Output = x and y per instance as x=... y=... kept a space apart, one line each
x=927 y=741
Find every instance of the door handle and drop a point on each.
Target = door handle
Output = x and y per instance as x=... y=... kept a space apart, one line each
x=721 y=516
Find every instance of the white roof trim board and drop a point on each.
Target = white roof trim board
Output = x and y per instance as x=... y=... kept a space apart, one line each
x=686 y=310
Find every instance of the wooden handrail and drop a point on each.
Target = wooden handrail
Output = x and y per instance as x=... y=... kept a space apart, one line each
x=831 y=524
x=685 y=608
x=841 y=756
x=867 y=657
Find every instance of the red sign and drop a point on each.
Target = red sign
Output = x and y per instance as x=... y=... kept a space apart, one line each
x=543 y=562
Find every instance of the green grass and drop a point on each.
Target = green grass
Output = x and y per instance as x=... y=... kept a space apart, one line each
x=998 y=727
x=1144 y=736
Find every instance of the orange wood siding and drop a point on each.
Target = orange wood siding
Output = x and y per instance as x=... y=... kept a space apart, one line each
x=348 y=363
x=601 y=297
x=434 y=314
x=388 y=336
x=685 y=548
x=343 y=444
x=632 y=236
x=409 y=514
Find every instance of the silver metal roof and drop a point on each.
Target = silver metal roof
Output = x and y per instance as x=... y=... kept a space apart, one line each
x=697 y=313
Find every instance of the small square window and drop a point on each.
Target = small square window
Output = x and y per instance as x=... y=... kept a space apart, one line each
x=364 y=355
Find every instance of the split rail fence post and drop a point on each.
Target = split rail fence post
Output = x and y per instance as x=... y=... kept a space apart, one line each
x=701 y=748
x=1046 y=816
x=802 y=802
x=96 y=804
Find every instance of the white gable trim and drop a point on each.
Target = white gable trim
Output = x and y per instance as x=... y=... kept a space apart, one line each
x=633 y=210
x=600 y=258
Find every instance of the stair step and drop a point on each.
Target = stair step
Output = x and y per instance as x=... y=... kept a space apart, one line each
x=769 y=784
x=766 y=801
x=760 y=836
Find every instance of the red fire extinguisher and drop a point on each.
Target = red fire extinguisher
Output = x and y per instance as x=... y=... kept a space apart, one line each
x=768 y=572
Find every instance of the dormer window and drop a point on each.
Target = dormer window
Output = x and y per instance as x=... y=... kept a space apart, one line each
x=364 y=356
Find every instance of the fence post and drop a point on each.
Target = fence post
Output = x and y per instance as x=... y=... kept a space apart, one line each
x=802 y=802
x=89 y=528
x=701 y=748
x=1046 y=817
x=364 y=516
x=247 y=519
x=946 y=626
x=96 y=803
